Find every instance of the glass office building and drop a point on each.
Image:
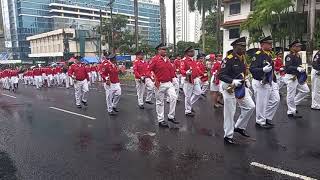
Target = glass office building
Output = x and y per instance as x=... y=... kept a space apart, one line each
x=23 y=18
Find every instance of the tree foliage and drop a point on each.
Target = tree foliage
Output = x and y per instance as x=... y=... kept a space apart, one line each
x=182 y=45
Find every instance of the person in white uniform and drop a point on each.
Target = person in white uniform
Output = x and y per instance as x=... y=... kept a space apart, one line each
x=294 y=70
x=264 y=84
x=232 y=74
x=315 y=80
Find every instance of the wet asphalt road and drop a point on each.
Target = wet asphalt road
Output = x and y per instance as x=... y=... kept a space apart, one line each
x=37 y=142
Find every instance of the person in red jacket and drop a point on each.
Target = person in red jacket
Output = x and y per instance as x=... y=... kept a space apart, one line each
x=143 y=79
x=203 y=74
x=279 y=69
x=37 y=77
x=110 y=76
x=215 y=85
x=164 y=74
x=177 y=65
x=80 y=76
x=192 y=85
x=14 y=73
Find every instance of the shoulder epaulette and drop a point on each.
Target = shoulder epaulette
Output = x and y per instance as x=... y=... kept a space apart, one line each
x=258 y=52
x=230 y=56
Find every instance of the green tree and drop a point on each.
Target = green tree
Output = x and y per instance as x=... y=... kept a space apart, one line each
x=182 y=45
x=119 y=29
x=202 y=6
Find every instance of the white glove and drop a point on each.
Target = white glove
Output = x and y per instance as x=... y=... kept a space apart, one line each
x=282 y=69
x=267 y=68
x=248 y=84
x=237 y=82
x=189 y=72
x=301 y=69
x=142 y=78
x=107 y=78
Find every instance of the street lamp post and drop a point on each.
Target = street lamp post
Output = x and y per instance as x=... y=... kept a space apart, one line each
x=110 y=4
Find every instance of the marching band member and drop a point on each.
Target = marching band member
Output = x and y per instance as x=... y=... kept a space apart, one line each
x=203 y=74
x=215 y=83
x=294 y=72
x=143 y=79
x=164 y=74
x=37 y=76
x=315 y=79
x=264 y=84
x=80 y=76
x=110 y=75
x=177 y=65
x=192 y=85
x=14 y=79
x=232 y=75
x=279 y=69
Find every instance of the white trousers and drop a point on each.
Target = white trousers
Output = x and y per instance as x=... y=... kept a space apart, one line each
x=6 y=83
x=204 y=87
x=94 y=76
x=113 y=93
x=81 y=90
x=25 y=80
x=179 y=77
x=267 y=100
x=192 y=93
x=315 y=80
x=294 y=98
x=38 y=81
x=49 y=80
x=57 y=80
x=14 y=80
x=246 y=105
x=141 y=89
x=165 y=88
x=67 y=80
x=280 y=80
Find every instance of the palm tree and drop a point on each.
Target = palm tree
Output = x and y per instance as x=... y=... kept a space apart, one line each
x=136 y=23
x=202 y=6
x=163 y=21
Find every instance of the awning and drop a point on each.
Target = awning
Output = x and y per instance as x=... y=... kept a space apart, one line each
x=123 y=58
x=90 y=60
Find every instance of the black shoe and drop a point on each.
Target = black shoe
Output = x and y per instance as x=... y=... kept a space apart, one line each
x=229 y=140
x=84 y=103
x=263 y=126
x=190 y=114
x=79 y=106
x=115 y=109
x=294 y=116
x=315 y=109
x=242 y=132
x=269 y=122
x=174 y=121
x=192 y=110
x=163 y=124
x=141 y=106
x=149 y=102
x=204 y=95
x=112 y=113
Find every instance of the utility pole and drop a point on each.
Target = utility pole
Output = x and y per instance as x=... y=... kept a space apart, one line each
x=162 y=21
x=100 y=34
x=110 y=4
x=136 y=23
x=311 y=29
x=174 y=26
x=218 y=26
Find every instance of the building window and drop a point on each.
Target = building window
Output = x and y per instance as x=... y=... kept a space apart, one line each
x=234 y=33
x=235 y=8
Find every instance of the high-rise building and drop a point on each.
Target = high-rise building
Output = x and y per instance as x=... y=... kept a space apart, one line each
x=23 y=18
x=188 y=24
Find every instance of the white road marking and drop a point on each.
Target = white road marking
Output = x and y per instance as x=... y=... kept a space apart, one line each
x=9 y=96
x=66 y=111
x=280 y=171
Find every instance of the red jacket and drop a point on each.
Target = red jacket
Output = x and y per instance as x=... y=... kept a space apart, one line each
x=57 y=70
x=216 y=67
x=78 y=71
x=141 y=68
x=37 y=72
x=48 y=71
x=189 y=63
x=93 y=68
x=162 y=68
x=88 y=68
x=277 y=65
x=177 y=64
x=110 y=70
x=203 y=71
x=14 y=73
